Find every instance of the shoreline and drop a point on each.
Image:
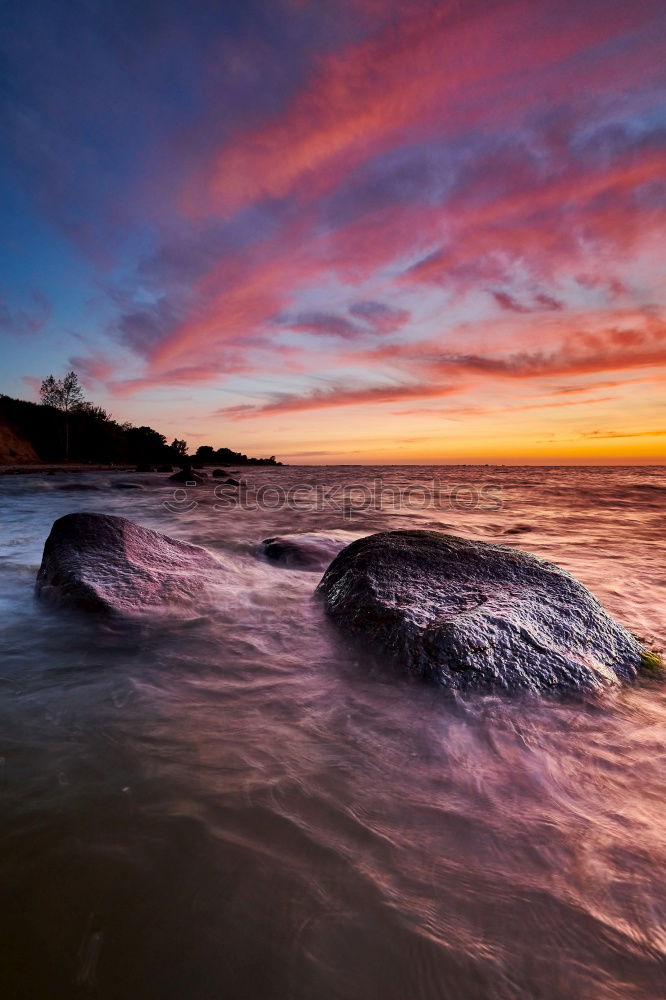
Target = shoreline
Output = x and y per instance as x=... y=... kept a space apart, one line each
x=36 y=468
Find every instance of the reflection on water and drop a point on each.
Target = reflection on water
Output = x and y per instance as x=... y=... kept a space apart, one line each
x=233 y=806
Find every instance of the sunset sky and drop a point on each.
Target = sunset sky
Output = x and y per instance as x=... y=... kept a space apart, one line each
x=347 y=231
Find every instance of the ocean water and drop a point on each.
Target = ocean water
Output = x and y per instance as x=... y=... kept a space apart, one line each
x=232 y=803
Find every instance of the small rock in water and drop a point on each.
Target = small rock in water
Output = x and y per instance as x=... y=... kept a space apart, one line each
x=102 y=563
x=188 y=475
x=306 y=551
x=129 y=486
x=475 y=616
x=79 y=487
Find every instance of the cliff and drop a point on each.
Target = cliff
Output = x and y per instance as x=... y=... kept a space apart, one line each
x=14 y=448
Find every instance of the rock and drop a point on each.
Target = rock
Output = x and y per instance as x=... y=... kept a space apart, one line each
x=165 y=468
x=307 y=551
x=188 y=475
x=143 y=467
x=79 y=487
x=475 y=616
x=129 y=486
x=109 y=564
x=231 y=482
x=218 y=473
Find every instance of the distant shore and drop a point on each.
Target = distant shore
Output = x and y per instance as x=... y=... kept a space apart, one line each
x=35 y=468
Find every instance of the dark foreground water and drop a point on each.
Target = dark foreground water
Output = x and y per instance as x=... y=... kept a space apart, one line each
x=231 y=805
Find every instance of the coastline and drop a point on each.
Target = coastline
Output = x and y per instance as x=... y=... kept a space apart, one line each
x=54 y=467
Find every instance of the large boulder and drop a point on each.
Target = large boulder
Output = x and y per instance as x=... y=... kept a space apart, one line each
x=470 y=615
x=102 y=563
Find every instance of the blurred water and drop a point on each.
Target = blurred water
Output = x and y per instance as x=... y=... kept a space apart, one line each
x=230 y=804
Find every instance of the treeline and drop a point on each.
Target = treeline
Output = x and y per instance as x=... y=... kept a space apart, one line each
x=88 y=434
x=207 y=455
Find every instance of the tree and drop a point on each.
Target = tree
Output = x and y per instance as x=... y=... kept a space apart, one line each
x=94 y=411
x=205 y=453
x=179 y=447
x=64 y=394
x=145 y=444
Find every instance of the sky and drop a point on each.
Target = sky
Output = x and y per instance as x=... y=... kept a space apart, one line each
x=343 y=231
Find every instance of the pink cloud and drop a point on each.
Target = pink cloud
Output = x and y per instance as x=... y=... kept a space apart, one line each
x=524 y=215
x=336 y=396
x=431 y=65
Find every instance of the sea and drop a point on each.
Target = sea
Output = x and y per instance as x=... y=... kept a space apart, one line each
x=232 y=802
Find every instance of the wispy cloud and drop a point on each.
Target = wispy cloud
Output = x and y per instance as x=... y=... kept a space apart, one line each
x=25 y=318
x=336 y=396
x=408 y=201
x=624 y=434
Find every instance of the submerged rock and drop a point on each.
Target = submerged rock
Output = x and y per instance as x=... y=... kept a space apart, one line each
x=80 y=487
x=102 y=563
x=129 y=486
x=307 y=551
x=188 y=475
x=471 y=615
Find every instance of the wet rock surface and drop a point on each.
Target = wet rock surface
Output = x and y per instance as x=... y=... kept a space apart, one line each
x=188 y=475
x=305 y=551
x=471 y=615
x=108 y=564
x=80 y=487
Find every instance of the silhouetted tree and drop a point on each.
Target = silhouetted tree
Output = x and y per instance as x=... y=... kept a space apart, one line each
x=145 y=444
x=93 y=435
x=205 y=453
x=64 y=394
x=93 y=410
